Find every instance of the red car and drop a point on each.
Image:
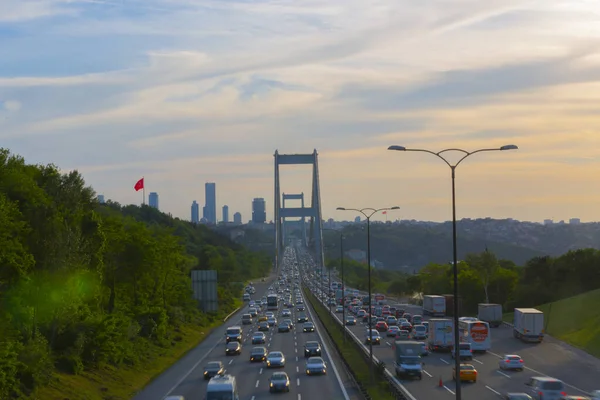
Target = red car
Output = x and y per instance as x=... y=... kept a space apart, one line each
x=381 y=326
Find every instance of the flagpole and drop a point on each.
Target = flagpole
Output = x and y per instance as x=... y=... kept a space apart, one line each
x=143 y=191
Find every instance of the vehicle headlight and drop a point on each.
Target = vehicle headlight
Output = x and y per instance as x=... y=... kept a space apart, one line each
x=271 y=384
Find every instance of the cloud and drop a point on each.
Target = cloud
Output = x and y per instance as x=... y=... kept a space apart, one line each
x=182 y=92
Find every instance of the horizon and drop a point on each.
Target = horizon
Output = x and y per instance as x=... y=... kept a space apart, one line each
x=182 y=93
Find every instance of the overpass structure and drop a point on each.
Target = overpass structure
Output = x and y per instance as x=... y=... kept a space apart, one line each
x=313 y=212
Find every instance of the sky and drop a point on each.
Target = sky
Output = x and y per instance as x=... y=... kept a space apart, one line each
x=183 y=92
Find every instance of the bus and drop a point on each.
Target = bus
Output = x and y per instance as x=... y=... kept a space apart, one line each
x=477 y=333
x=272 y=302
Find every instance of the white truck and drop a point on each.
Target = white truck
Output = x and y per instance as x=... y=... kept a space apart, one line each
x=441 y=334
x=528 y=325
x=434 y=305
x=490 y=313
x=408 y=359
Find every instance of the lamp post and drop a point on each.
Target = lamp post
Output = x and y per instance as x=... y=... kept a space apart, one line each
x=440 y=155
x=342 y=279
x=368 y=213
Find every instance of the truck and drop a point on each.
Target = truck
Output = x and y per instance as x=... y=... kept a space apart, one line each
x=434 y=305
x=528 y=325
x=490 y=313
x=407 y=361
x=441 y=334
x=450 y=305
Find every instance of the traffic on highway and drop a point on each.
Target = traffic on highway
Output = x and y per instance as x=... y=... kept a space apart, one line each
x=508 y=368
x=272 y=346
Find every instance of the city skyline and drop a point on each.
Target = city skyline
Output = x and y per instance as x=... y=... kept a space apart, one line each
x=179 y=104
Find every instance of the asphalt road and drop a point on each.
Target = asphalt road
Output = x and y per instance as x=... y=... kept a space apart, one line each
x=577 y=369
x=185 y=378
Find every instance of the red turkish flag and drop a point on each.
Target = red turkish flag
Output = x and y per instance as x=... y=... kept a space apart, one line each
x=139 y=185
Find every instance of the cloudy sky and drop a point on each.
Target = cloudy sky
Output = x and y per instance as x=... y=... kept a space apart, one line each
x=185 y=92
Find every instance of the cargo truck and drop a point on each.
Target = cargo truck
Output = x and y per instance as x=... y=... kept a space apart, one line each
x=528 y=325
x=441 y=334
x=490 y=313
x=408 y=359
x=450 y=305
x=434 y=305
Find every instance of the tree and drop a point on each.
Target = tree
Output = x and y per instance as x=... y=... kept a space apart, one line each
x=485 y=266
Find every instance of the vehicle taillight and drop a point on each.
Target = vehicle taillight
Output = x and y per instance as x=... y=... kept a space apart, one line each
x=563 y=393
x=521 y=361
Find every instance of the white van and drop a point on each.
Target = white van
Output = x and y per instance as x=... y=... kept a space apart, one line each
x=222 y=387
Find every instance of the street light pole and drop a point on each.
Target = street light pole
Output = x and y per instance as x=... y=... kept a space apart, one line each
x=371 y=212
x=343 y=285
x=439 y=154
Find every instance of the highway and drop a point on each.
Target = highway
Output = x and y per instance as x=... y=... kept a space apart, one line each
x=577 y=369
x=185 y=378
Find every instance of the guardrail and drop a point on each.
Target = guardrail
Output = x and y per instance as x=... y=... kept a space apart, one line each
x=396 y=387
x=233 y=312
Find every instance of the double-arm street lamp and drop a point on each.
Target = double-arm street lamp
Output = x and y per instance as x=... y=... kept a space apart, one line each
x=368 y=213
x=465 y=154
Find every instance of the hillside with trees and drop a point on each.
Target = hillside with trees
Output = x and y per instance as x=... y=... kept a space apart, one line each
x=90 y=287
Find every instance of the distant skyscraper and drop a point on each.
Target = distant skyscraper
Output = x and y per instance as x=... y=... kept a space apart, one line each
x=195 y=212
x=101 y=198
x=153 y=200
x=210 y=194
x=225 y=214
x=237 y=218
x=259 y=214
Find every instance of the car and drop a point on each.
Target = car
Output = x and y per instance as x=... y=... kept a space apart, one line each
x=339 y=309
x=308 y=327
x=279 y=382
x=259 y=338
x=258 y=354
x=253 y=312
x=512 y=362
x=312 y=349
x=275 y=359
x=419 y=332
x=270 y=314
x=233 y=348
x=393 y=330
x=315 y=366
x=213 y=368
x=263 y=326
x=272 y=321
x=467 y=373
x=417 y=320
x=283 y=327
x=391 y=321
x=350 y=320
x=263 y=318
x=300 y=307
x=286 y=313
x=289 y=322
x=381 y=326
x=302 y=318
x=372 y=336
x=405 y=326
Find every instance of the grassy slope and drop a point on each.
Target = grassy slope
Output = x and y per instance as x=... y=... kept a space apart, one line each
x=575 y=320
x=123 y=382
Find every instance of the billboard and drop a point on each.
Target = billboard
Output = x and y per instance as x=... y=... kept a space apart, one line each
x=204 y=286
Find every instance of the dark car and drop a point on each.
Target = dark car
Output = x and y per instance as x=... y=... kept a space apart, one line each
x=279 y=382
x=258 y=354
x=312 y=349
x=213 y=368
x=302 y=318
x=308 y=327
x=233 y=348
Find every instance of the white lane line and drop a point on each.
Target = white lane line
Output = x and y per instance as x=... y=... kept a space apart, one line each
x=546 y=375
x=295 y=343
x=296 y=358
x=388 y=343
x=297 y=381
x=502 y=373
x=184 y=377
x=297 y=369
x=448 y=389
x=260 y=372
x=447 y=363
x=257 y=382
x=252 y=398
x=489 y=388
x=296 y=350
x=230 y=361
x=477 y=361
x=299 y=397
x=428 y=374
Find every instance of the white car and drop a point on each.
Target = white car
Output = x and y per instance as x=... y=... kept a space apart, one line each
x=512 y=362
x=392 y=330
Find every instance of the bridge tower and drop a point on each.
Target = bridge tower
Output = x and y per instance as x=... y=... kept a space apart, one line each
x=313 y=212
x=302 y=222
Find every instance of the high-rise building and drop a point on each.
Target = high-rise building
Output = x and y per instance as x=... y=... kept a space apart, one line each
x=210 y=202
x=574 y=221
x=225 y=214
x=153 y=200
x=259 y=213
x=195 y=212
x=237 y=218
x=101 y=198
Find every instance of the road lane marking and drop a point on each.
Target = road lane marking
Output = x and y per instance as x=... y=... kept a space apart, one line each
x=447 y=363
x=546 y=375
x=299 y=397
x=296 y=350
x=260 y=372
x=257 y=382
x=388 y=343
x=502 y=373
x=252 y=398
x=428 y=374
x=297 y=381
x=295 y=343
x=297 y=369
x=230 y=361
x=448 y=389
x=477 y=361
x=489 y=388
